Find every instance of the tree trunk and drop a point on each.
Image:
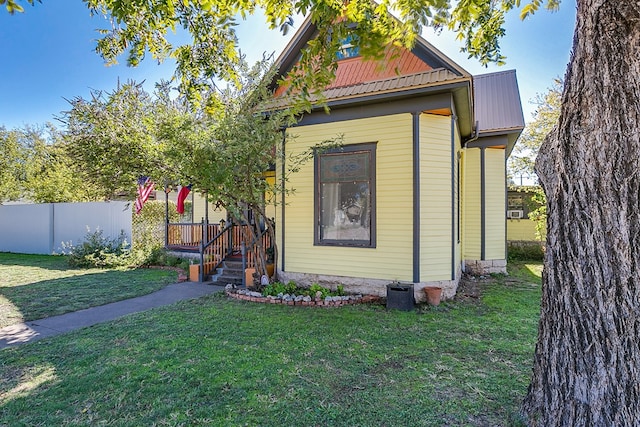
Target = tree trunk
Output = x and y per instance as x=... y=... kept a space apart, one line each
x=587 y=360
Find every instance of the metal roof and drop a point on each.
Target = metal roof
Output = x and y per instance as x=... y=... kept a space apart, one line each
x=393 y=84
x=497 y=102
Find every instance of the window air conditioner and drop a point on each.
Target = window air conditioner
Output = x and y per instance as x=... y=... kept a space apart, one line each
x=515 y=214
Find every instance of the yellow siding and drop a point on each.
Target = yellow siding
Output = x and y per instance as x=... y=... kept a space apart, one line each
x=521 y=229
x=471 y=204
x=392 y=258
x=495 y=207
x=435 y=198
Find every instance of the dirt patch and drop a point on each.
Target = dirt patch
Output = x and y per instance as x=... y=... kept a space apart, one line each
x=470 y=287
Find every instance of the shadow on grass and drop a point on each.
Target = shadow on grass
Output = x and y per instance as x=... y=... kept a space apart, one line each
x=218 y=362
x=49 y=262
x=61 y=295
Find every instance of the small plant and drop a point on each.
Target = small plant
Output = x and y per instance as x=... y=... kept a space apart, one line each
x=315 y=288
x=276 y=288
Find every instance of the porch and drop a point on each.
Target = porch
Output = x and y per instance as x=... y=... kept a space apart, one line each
x=218 y=244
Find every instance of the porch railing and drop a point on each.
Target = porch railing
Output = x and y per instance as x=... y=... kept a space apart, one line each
x=215 y=242
x=215 y=250
x=188 y=236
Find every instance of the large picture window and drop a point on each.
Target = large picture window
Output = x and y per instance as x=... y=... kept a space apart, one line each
x=345 y=196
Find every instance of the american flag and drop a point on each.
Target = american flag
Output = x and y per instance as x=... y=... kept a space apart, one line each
x=145 y=187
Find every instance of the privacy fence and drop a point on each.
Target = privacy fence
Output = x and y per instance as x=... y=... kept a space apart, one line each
x=42 y=228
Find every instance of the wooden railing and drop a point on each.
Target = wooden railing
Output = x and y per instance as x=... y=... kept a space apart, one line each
x=218 y=243
x=188 y=236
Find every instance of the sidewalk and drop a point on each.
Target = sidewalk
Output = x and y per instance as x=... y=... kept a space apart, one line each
x=22 y=333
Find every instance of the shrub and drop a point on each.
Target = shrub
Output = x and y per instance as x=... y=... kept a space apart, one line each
x=96 y=250
x=525 y=251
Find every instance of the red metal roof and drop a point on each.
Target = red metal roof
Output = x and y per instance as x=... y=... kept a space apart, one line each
x=396 y=62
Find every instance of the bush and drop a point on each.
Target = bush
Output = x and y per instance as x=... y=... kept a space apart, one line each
x=525 y=251
x=96 y=250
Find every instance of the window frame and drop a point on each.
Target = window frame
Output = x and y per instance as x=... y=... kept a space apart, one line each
x=369 y=147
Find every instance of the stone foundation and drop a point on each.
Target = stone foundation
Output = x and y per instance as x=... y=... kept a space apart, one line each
x=360 y=285
x=479 y=268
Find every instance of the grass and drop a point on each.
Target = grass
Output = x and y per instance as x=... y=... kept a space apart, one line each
x=215 y=361
x=37 y=286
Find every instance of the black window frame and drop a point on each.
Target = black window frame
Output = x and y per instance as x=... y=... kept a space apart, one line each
x=369 y=147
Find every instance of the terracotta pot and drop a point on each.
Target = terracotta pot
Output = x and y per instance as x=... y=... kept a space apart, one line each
x=433 y=294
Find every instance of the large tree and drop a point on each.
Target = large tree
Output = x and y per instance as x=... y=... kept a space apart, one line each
x=587 y=357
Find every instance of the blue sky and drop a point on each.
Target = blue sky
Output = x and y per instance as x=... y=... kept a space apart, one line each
x=47 y=55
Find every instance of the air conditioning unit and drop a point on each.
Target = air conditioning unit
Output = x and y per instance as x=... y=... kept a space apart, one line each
x=515 y=214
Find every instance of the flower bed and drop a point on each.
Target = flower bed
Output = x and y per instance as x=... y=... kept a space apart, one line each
x=301 y=300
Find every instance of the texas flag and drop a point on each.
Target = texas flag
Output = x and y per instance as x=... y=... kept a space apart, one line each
x=182 y=195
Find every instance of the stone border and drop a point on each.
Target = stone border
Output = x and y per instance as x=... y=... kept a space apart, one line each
x=246 y=295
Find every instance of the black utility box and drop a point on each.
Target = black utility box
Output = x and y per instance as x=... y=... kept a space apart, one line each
x=400 y=296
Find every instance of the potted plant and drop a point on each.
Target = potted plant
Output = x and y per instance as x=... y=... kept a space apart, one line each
x=270 y=253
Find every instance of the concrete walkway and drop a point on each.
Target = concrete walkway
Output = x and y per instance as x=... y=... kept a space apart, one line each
x=37 y=329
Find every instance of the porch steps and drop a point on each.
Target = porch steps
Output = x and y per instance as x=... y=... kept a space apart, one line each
x=230 y=272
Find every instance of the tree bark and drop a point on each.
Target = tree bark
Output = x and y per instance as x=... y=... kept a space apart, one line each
x=587 y=359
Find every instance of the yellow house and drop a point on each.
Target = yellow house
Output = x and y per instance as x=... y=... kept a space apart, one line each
x=417 y=193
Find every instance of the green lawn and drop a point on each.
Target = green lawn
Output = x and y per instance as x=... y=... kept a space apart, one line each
x=221 y=362
x=37 y=286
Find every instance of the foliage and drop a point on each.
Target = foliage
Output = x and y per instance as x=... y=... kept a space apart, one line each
x=98 y=251
x=545 y=118
x=537 y=206
x=291 y=288
x=34 y=167
x=212 y=52
x=277 y=288
x=38 y=286
x=528 y=251
x=539 y=214
x=13 y=6
x=147 y=233
x=112 y=138
x=467 y=364
x=13 y=158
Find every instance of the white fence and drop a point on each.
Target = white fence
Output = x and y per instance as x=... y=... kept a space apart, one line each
x=42 y=228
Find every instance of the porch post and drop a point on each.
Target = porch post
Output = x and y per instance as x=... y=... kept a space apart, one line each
x=166 y=216
x=202 y=243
